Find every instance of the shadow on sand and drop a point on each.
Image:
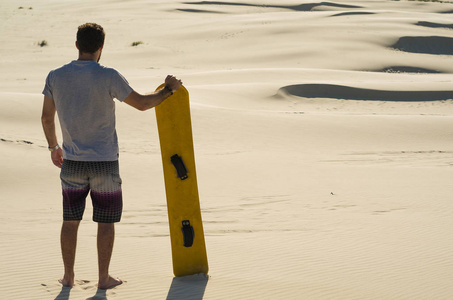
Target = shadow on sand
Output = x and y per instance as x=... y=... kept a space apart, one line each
x=64 y=293
x=352 y=93
x=100 y=295
x=437 y=45
x=188 y=287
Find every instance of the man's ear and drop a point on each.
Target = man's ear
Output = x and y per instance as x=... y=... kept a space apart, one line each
x=77 y=45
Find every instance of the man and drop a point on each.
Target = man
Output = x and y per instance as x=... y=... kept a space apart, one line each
x=82 y=94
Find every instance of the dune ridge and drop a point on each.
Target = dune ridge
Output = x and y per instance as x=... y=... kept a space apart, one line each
x=301 y=7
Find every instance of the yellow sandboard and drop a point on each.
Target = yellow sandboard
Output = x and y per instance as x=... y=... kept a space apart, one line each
x=184 y=215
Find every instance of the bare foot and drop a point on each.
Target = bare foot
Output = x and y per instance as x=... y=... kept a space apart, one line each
x=109 y=283
x=68 y=282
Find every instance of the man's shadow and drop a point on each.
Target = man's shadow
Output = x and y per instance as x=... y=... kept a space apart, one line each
x=100 y=295
x=65 y=291
x=188 y=287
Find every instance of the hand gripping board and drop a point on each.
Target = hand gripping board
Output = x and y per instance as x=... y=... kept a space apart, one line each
x=184 y=215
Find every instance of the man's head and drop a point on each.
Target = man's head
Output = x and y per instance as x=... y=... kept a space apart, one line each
x=90 y=37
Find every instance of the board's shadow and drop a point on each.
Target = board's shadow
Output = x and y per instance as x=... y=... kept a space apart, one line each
x=188 y=287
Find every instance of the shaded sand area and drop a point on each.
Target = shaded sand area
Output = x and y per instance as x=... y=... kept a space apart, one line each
x=323 y=136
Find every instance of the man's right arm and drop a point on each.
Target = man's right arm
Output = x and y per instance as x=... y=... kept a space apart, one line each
x=48 y=125
x=145 y=102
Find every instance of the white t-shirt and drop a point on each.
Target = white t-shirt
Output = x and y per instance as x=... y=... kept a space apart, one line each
x=83 y=92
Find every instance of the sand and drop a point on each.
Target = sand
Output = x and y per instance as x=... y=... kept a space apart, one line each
x=323 y=136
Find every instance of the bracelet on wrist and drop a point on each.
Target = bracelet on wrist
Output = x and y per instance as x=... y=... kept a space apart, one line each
x=52 y=149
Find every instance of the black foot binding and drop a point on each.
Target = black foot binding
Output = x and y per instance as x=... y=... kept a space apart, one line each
x=181 y=169
x=188 y=233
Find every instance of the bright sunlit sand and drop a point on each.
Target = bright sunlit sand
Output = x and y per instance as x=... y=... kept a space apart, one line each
x=323 y=137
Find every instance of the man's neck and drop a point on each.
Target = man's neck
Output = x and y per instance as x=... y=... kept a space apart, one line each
x=89 y=56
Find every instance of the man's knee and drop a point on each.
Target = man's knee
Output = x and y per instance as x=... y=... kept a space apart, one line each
x=106 y=228
x=74 y=224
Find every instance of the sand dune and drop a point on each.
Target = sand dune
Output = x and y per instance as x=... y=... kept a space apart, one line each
x=323 y=140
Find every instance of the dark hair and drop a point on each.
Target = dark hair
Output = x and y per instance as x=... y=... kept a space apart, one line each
x=90 y=37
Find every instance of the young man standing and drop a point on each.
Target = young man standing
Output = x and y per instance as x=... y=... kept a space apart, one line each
x=82 y=94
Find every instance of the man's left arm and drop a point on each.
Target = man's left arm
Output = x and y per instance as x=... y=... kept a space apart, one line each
x=48 y=125
x=145 y=102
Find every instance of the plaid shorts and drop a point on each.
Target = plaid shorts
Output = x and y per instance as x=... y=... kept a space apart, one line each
x=102 y=178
